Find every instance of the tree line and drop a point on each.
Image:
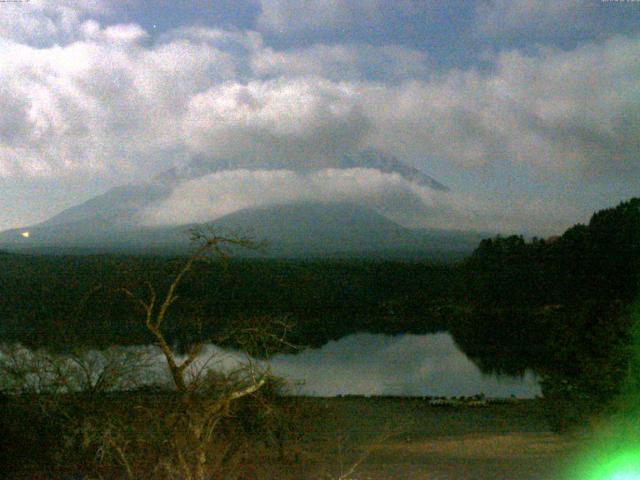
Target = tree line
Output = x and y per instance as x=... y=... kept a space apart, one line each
x=563 y=306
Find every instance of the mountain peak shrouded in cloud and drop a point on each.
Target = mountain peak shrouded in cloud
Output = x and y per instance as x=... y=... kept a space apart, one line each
x=203 y=190
x=527 y=110
x=357 y=204
x=345 y=209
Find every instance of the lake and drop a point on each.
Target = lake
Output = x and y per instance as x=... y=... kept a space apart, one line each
x=375 y=364
x=368 y=364
x=357 y=364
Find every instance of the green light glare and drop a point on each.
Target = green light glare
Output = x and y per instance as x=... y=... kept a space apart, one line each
x=613 y=452
x=614 y=466
x=626 y=476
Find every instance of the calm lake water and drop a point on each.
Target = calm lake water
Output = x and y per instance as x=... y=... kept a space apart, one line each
x=373 y=364
x=359 y=364
x=370 y=364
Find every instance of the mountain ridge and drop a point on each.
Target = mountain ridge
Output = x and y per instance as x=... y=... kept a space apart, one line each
x=306 y=229
x=110 y=221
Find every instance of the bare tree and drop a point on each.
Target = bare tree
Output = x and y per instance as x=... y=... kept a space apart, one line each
x=203 y=403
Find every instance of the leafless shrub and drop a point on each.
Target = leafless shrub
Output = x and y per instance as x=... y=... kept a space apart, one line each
x=191 y=426
x=26 y=371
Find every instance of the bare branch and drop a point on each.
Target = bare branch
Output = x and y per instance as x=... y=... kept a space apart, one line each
x=253 y=388
x=192 y=355
x=145 y=305
x=120 y=452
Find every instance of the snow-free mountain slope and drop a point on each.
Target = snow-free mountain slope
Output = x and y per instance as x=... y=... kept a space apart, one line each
x=113 y=220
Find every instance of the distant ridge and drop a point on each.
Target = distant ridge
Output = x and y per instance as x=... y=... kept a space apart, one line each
x=117 y=206
x=110 y=222
x=291 y=230
x=318 y=227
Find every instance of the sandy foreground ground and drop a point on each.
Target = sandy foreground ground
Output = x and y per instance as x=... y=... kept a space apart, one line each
x=526 y=456
x=505 y=442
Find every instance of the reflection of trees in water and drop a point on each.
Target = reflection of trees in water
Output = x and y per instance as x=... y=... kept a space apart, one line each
x=503 y=341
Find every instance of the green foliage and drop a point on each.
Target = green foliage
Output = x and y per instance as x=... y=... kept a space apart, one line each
x=563 y=304
x=600 y=260
x=591 y=354
x=504 y=340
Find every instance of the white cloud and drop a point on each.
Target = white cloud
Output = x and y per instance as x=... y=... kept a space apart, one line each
x=343 y=62
x=42 y=21
x=103 y=105
x=113 y=102
x=555 y=110
x=78 y=98
x=125 y=33
x=99 y=103
x=301 y=121
x=218 y=194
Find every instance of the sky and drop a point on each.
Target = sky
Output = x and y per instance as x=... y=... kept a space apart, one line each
x=528 y=110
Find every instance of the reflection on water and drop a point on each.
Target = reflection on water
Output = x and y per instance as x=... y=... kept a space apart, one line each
x=370 y=364
x=361 y=364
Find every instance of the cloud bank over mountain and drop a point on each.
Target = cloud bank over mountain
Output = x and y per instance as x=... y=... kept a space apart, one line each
x=221 y=193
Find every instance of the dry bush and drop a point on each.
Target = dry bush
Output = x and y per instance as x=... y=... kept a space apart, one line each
x=100 y=418
x=205 y=426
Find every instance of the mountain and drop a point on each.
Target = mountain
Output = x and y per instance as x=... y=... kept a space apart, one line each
x=338 y=228
x=291 y=230
x=319 y=227
x=388 y=164
x=120 y=205
x=108 y=222
x=116 y=207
